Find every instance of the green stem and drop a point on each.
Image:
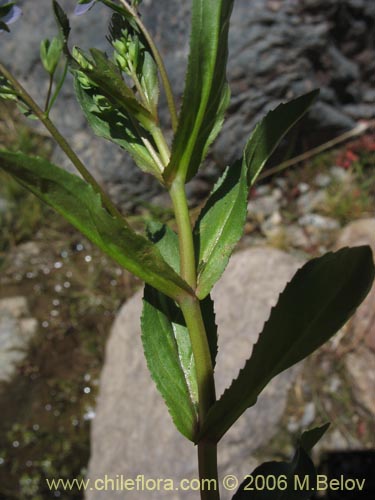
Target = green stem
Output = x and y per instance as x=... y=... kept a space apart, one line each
x=186 y=245
x=190 y=307
x=58 y=88
x=61 y=141
x=138 y=86
x=207 y=460
x=162 y=145
x=50 y=83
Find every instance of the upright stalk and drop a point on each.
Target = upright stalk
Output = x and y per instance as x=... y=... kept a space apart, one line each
x=190 y=306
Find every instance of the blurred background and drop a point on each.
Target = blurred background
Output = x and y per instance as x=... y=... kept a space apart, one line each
x=59 y=296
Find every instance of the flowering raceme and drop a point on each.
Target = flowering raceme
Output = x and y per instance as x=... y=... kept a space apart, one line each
x=9 y=13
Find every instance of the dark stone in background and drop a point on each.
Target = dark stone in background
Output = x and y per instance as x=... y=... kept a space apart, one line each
x=278 y=50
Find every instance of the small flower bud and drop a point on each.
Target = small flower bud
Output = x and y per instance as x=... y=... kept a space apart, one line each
x=85 y=63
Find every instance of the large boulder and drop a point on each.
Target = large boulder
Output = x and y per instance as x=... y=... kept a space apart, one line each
x=133 y=433
x=278 y=50
x=17 y=328
x=360 y=360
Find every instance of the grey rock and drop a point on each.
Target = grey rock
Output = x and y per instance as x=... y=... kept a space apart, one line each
x=322 y=180
x=308 y=416
x=296 y=236
x=359 y=365
x=273 y=221
x=303 y=187
x=319 y=222
x=264 y=206
x=278 y=50
x=339 y=174
x=17 y=328
x=362 y=325
x=311 y=200
x=132 y=432
x=336 y=440
x=16 y=306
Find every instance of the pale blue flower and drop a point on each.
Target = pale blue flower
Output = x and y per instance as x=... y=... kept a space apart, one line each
x=12 y=15
x=83 y=7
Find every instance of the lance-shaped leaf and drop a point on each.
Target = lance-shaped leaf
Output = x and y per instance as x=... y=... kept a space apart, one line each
x=316 y=303
x=106 y=75
x=110 y=123
x=206 y=94
x=166 y=341
x=269 y=132
x=295 y=480
x=81 y=206
x=220 y=224
x=170 y=359
x=63 y=24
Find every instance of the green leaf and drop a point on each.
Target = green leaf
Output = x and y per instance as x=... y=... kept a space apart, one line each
x=149 y=81
x=5 y=9
x=63 y=24
x=106 y=75
x=170 y=359
x=4 y=27
x=311 y=437
x=269 y=132
x=81 y=206
x=166 y=341
x=206 y=94
x=110 y=123
x=317 y=302
x=166 y=240
x=295 y=480
x=220 y=226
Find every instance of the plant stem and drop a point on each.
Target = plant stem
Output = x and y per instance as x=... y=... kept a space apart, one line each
x=190 y=307
x=50 y=83
x=58 y=88
x=162 y=145
x=61 y=141
x=207 y=460
x=186 y=245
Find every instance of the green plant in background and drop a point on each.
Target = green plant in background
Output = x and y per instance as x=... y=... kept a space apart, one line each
x=119 y=96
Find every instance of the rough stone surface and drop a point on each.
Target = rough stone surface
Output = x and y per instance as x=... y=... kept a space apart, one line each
x=360 y=362
x=132 y=432
x=16 y=330
x=278 y=50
